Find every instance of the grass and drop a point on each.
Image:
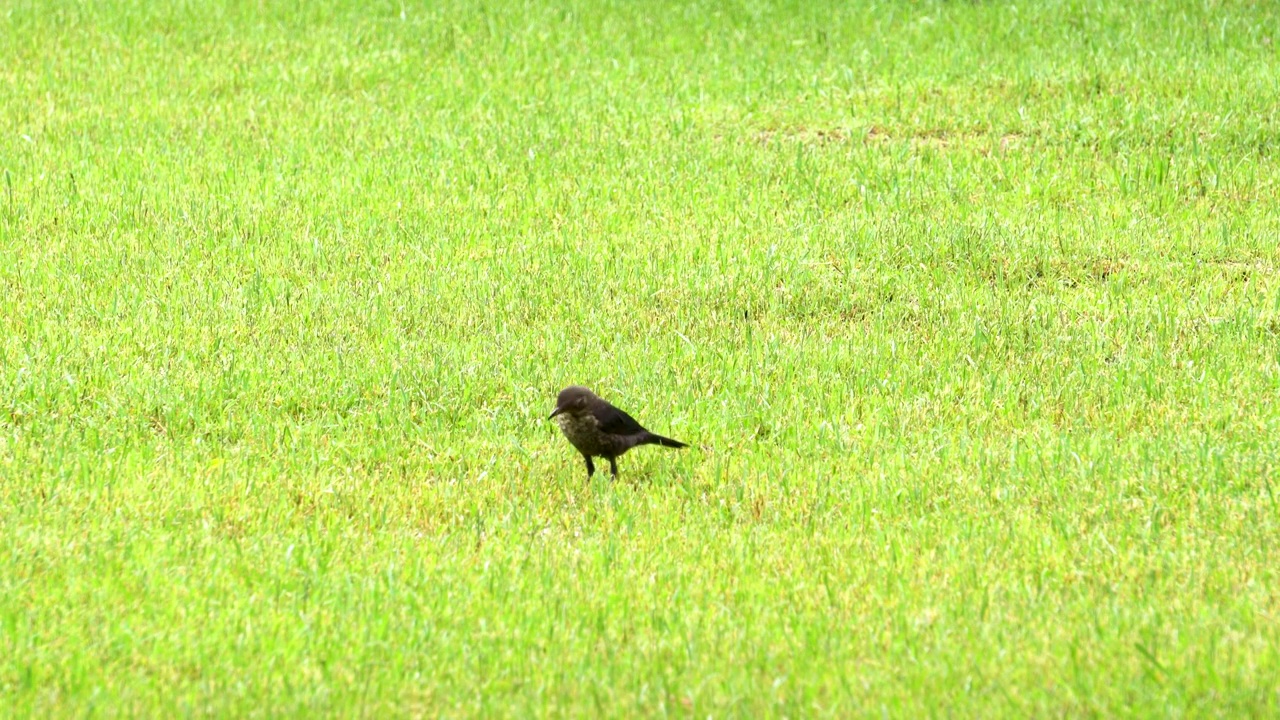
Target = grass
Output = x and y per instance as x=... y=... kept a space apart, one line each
x=972 y=311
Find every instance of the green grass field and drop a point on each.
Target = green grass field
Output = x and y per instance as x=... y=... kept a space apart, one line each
x=972 y=310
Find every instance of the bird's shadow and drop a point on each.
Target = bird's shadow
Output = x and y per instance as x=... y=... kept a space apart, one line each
x=654 y=474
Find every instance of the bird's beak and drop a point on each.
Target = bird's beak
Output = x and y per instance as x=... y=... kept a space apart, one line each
x=559 y=409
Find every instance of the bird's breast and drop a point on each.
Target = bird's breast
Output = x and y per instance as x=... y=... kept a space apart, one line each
x=583 y=431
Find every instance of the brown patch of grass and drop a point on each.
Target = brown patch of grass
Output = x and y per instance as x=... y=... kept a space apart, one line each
x=936 y=138
x=803 y=135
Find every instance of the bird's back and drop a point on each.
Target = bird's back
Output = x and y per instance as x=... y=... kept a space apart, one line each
x=614 y=421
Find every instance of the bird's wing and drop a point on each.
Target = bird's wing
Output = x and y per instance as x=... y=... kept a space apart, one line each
x=614 y=421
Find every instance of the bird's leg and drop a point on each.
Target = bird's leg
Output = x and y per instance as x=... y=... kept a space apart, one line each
x=591 y=468
x=613 y=467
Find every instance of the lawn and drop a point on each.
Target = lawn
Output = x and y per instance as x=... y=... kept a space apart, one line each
x=971 y=311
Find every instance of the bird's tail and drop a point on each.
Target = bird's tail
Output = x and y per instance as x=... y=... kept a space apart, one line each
x=655 y=439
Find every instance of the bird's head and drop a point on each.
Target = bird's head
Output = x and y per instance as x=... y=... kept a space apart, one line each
x=573 y=400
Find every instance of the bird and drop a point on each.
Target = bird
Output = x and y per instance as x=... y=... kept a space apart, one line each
x=598 y=429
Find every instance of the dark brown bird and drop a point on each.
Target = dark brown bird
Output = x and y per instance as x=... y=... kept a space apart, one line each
x=598 y=429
